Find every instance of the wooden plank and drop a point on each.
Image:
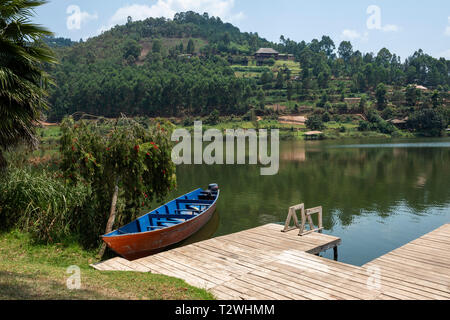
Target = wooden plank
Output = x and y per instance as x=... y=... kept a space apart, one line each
x=357 y=276
x=253 y=291
x=310 y=289
x=223 y=293
x=99 y=266
x=435 y=251
x=299 y=291
x=277 y=229
x=191 y=279
x=315 y=284
x=135 y=266
x=414 y=268
x=114 y=265
x=264 y=263
x=232 y=250
x=245 y=260
x=409 y=282
x=191 y=268
x=414 y=262
x=227 y=262
x=244 y=291
x=325 y=281
x=422 y=261
x=267 y=286
x=435 y=238
x=428 y=256
x=265 y=243
x=431 y=244
x=255 y=245
x=414 y=272
x=210 y=261
x=389 y=279
x=321 y=268
x=294 y=238
x=319 y=242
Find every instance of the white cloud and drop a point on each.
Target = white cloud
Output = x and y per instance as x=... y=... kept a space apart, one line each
x=447 y=30
x=168 y=8
x=141 y=12
x=390 y=28
x=77 y=17
x=352 y=35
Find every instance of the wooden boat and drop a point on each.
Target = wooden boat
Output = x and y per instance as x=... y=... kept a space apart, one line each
x=165 y=226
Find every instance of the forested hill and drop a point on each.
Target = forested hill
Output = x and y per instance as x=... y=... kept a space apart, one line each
x=194 y=64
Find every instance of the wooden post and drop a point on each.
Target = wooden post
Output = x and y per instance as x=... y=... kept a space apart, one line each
x=307 y=216
x=335 y=251
x=293 y=215
x=112 y=216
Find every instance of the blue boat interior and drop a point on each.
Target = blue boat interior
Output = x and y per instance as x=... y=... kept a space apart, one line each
x=178 y=211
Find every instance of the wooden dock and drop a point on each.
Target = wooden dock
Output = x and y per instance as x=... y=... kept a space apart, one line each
x=265 y=264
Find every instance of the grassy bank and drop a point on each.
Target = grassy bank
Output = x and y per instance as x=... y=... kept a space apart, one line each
x=31 y=271
x=333 y=130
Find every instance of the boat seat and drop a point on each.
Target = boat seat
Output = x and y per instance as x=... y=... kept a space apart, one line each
x=196 y=202
x=188 y=212
x=174 y=221
x=150 y=228
x=170 y=224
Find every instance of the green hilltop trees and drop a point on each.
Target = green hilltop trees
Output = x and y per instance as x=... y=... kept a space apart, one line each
x=190 y=47
x=380 y=94
x=96 y=78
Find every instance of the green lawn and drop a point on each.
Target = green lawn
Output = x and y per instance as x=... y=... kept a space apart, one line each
x=292 y=65
x=30 y=271
x=337 y=125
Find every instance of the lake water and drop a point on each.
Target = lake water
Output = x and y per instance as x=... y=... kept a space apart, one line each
x=376 y=195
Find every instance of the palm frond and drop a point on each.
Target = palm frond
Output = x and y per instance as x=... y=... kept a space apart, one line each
x=21 y=29
x=19 y=8
x=23 y=82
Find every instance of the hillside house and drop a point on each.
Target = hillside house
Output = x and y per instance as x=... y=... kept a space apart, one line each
x=264 y=54
x=269 y=53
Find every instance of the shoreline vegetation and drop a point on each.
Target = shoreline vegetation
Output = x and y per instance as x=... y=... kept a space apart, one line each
x=289 y=130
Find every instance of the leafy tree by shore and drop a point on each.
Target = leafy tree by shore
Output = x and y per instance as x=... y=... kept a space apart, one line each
x=315 y=123
x=125 y=164
x=428 y=121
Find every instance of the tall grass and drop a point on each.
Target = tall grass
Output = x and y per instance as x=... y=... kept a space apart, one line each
x=40 y=203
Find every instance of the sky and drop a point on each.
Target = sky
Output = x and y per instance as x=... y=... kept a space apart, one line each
x=402 y=26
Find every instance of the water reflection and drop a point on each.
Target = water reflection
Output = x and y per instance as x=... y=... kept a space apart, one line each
x=375 y=196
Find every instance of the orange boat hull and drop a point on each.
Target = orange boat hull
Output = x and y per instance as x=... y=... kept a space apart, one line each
x=140 y=245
